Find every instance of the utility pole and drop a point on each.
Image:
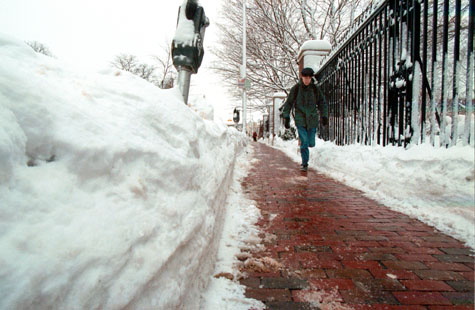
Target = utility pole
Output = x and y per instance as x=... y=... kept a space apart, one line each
x=243 y=71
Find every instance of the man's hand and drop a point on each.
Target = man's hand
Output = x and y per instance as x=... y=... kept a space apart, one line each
x=287 y=122
x=324 y=121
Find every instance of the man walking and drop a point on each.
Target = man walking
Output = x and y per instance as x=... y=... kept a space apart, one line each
x=304 y=98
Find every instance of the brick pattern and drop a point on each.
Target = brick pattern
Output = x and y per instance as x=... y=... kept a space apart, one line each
x=338 y=249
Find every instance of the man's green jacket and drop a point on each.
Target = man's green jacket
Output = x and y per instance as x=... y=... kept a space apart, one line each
x=308 y=103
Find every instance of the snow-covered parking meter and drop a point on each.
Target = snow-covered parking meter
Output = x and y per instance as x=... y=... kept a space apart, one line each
x=187 y=45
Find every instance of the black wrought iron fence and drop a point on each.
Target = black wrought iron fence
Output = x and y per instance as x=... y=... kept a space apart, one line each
x=404 y=74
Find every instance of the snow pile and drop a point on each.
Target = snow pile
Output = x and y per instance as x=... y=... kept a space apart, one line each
x=316 y=45
x=202 y=107
x=112 y=190
x=329 y=299
x=239 y=233
x=435 y=185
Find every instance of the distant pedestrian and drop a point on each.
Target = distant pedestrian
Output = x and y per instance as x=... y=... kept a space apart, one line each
x=308 y=106
x=254 y=136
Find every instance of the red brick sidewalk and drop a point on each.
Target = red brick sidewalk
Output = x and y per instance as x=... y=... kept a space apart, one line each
x=329 y=247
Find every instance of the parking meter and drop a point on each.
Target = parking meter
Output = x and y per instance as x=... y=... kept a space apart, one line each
x=188 y=53
x=236 y=116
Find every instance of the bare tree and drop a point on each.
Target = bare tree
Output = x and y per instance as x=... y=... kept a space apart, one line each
x=162 y=74
x=145 y=71
x=131 y=64
x=40 y=48
x=125 y=62
x=166 y=73
x=329 y=17
x=272 y=44
x=276 y=29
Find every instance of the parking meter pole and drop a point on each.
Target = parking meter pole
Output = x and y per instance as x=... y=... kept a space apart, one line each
x=184 y=78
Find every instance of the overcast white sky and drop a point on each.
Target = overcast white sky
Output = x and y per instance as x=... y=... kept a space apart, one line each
x=90 y=33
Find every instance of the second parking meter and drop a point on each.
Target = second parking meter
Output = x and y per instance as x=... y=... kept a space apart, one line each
x=187 y=46
x=236 y=116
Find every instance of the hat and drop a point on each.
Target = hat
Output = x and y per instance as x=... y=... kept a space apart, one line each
x=307 y=72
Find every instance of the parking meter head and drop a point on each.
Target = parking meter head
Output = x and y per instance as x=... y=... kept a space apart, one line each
x=236 y=116
x=190 y=54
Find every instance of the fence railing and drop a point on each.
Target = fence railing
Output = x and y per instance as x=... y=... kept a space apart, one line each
x=404 y=74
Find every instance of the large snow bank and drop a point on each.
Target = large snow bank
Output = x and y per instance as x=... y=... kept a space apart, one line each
x=112 y=190
x=435 y=185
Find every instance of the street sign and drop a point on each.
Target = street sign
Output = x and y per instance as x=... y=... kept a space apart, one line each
x=247 y=84
x=244 y=83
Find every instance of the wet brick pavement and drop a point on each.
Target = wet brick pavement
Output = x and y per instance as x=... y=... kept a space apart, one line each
x=327 y=246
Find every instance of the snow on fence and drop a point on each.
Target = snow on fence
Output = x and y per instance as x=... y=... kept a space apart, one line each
x=403 y=74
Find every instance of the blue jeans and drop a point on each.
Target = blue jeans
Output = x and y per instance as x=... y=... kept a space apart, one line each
x=307 y=139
